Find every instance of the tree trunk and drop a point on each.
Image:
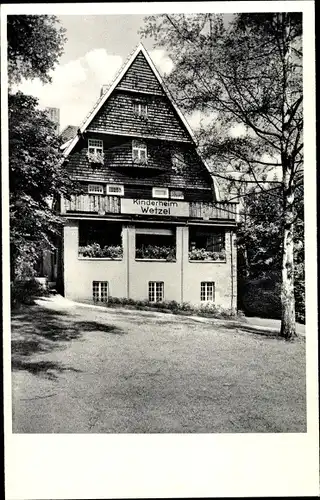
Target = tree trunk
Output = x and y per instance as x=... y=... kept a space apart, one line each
x=288 y=319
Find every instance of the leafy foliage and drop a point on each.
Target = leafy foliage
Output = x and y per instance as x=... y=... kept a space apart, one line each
x=156 y=252
x=35 y=44
x=203 y=254
x=246 y=73
x=94 y=250
x=25 y=291
x=259 y=255
x=206 y=309
x=36 y=179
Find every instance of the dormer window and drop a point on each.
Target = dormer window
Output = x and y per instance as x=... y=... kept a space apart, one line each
x=140 y=109
x=139 y=152
x=95 y=151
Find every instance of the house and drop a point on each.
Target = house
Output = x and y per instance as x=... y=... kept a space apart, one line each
x=149 y=223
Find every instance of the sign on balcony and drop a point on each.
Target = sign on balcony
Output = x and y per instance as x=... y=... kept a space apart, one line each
x=155 y=207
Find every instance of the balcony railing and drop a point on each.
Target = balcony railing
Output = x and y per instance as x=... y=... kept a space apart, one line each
x=102 y=205
x=91 y=203
x=218 y=210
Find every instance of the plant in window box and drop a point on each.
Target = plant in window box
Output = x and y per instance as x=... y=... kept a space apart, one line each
x=94 y=250
x=156 y=252
x=203 y=254
x=140 y=161
x=97 y=157
x=112 y=251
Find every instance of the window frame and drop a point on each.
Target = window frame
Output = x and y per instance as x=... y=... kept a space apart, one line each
x=178 y=161
x=121 y=193
x=139 y=147
x=173 y=197
x=154 y=195
x=138 y=107
x=152 y=291
x=91 y=190
x=96 y=148
x=204 y=291
x=103 y=294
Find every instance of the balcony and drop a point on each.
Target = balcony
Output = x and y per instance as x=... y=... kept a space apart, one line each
x=104 y=205
x=92 y=204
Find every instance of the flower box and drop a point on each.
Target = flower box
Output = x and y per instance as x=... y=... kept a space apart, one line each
x=96 y=158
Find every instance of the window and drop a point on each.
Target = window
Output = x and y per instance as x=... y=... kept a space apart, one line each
x=207 y=291
x=115 y=189
x=139 y=152
x=100 y=291
x=100 y=239
x=177 y=158
x=95 y=146
x=156 y=291
x=95 y=151
x=140 y=109
x=176 y=195
x=155 y=242
x=160 y=192
x=95 y=189
x=206 y=243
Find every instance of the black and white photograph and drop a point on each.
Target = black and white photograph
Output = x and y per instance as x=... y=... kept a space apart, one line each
x=157 y=222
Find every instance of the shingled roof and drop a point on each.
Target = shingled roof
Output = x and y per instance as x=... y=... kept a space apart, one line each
x=69 y=133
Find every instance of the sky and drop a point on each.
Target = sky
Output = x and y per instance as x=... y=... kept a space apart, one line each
x=96 y=48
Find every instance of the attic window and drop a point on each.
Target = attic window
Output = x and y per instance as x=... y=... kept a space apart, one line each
x=140 y=109
x=178 y=162
x=95 y=146
x=139 y=152
x=95 y=151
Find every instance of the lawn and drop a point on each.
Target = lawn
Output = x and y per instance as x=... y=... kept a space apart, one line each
x=82 y=370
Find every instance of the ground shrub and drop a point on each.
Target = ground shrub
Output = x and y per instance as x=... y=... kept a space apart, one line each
x=207 y=309
x=261 y=297
x=25 y=291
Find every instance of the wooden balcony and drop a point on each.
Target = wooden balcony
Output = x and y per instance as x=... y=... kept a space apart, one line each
x=211 y=211
x=91 y=203
x=104 y=205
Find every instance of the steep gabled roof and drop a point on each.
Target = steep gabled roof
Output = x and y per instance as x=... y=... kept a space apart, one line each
x=70 y=144
x=104 y=97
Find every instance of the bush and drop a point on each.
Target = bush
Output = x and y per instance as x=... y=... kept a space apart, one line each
x=207 y=309
x=261 y=297
x=25 y=291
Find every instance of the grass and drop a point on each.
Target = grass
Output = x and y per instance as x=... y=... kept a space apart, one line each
x=85 y=370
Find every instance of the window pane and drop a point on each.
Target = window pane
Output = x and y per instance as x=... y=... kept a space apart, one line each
x=135 y=154
x=143 y=154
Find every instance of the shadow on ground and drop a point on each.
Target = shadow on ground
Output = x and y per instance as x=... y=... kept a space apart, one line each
x=265 y=332
x=37 y=330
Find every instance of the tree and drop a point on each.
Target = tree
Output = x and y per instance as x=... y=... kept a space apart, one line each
x=245 y=73
x=36 y=177
x=35 y=44
x=259 y=254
